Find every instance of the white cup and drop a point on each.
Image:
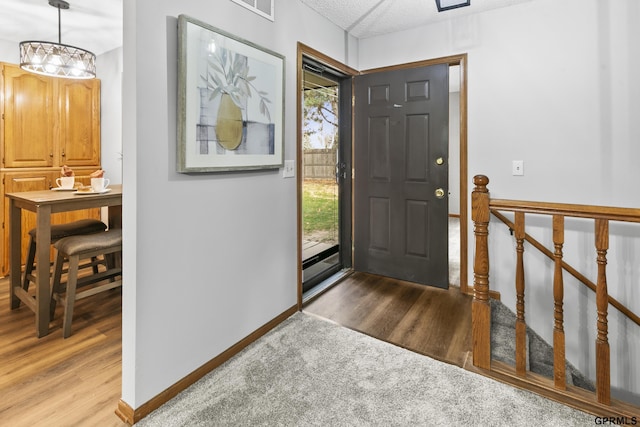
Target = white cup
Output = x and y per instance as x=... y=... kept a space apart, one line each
x=65 y=182
x=99 y=184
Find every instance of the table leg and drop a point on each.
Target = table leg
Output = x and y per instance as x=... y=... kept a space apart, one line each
x=115 y=221
x=115 y=216
x=43 y=275
x=15 y=244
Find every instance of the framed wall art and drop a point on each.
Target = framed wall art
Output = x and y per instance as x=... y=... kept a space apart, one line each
x=230 y=101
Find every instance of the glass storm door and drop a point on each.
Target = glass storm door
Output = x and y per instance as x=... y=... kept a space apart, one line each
x=326 y=169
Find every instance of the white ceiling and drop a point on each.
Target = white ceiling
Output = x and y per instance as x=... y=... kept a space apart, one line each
x=366 y=18
x=94 y=25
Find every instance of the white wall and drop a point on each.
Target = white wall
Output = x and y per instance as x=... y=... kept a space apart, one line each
x=109 y=71
x=454 y=152
x=9 y=52
x=207 y=258
x=553 y=83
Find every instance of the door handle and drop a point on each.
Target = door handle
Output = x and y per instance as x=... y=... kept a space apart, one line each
x=341 y=171
x=439 y=193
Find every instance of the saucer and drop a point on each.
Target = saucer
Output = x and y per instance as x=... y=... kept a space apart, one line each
x=106 y=190
x=64 y=189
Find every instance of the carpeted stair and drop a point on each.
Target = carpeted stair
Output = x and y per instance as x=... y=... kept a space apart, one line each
x=540 y=354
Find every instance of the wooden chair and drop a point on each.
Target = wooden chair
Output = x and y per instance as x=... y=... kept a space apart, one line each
x=58 y=231
x=73 y=249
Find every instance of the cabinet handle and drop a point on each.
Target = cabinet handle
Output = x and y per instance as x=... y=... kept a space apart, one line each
x=63 y=153
x=51 y=154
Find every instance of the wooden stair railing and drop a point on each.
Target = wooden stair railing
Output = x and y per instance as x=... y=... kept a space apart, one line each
x=569 y=269
x=482 y=206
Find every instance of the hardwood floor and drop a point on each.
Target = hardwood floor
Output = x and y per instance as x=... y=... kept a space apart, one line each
x=53 y=381
x=427 y=320
x=77 y=382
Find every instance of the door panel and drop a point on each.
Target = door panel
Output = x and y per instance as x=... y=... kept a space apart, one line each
x=401 y=130
x=80 y=122
x=417 y=220
x=30 y=121
x=380 y=224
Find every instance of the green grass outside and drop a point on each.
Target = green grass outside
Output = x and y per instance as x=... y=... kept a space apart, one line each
x=320 y=210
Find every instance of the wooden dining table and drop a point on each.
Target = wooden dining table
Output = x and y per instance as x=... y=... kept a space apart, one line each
x=45 y=203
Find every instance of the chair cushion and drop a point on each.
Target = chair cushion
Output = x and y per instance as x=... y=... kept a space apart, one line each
x=73 y=245
x=82 y=226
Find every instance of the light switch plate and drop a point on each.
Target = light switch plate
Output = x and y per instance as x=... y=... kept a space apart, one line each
x=289 y=170
x=518 y=167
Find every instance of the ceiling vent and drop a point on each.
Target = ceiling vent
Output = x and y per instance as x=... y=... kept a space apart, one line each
x=451 y=4
x=263 y=8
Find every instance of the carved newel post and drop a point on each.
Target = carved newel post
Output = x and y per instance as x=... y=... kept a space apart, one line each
x=481 y=310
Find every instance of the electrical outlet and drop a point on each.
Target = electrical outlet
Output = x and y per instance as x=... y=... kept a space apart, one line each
x=289 y=170
x=518 y=167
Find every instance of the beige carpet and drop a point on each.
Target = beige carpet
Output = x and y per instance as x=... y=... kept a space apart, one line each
x=309 y=372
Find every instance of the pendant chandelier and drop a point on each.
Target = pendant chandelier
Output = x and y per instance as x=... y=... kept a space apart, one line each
x=57 y=59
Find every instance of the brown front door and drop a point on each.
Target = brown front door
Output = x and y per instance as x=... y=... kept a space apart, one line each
x=401 y=174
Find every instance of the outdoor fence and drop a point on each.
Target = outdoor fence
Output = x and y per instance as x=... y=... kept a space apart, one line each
x=319 y=163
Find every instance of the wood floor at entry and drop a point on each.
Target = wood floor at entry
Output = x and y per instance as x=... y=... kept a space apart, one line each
x=428 y=320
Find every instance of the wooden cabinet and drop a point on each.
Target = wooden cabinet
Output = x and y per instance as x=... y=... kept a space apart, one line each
x=49 y=122
x=28 y=119
x=46 y=122
x=13 y=182
x=79 y=122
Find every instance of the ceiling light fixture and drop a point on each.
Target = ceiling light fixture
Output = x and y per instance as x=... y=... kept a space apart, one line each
x=451 y=4
x=57 y=59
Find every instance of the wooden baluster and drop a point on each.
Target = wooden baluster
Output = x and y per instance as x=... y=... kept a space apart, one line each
x=480 y=308
x=521 y=326
x=603 y=384
x=559 y=358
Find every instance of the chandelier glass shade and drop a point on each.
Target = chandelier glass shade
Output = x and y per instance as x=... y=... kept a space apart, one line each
x=57 y=59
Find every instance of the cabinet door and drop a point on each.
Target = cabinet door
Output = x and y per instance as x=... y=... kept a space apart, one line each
x=15 y=182
x=30 y=117
x=79 y=122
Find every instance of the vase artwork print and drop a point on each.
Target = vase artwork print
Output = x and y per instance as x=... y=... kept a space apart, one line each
x=230 y=102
